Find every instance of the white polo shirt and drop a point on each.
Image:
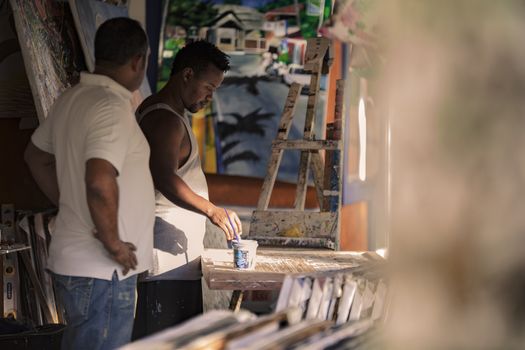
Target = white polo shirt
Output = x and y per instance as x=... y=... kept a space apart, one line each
x=94 y=119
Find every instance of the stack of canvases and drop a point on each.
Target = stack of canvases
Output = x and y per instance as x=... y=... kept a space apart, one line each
x=339 y=310
x=37 y=298
x=331 y=310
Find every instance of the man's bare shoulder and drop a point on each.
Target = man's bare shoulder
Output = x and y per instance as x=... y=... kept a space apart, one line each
x=161 y=120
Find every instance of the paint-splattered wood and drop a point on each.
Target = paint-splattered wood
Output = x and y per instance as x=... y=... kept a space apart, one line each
x=307 y=145
x=277 y=154
x=272 y=266
x=334 y=159
x=317 y=165
x=300 y=229
x=315 y=51
x=293 y=242
x=298 y=224
x=300 y=191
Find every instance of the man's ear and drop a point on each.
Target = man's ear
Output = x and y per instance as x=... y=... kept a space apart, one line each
x=138 y=62
x=187 y=74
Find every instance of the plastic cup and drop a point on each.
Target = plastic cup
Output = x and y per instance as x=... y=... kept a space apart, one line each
x=244 y=254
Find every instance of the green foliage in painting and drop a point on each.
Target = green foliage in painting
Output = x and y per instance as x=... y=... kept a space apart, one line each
x=190 y=13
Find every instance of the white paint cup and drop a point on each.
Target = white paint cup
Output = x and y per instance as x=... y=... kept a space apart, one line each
x=244 y=254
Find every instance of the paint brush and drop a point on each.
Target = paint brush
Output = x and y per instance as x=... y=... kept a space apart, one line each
x=233 y=227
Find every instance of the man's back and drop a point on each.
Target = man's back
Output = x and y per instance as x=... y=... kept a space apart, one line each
x=94 y=120
x=90 y=159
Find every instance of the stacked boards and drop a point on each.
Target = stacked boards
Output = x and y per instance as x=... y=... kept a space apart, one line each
x=28 y=291
x=326 y=310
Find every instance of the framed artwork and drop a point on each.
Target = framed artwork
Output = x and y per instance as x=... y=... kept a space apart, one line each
x=266 y=42
x=16 y=100
x=88 y=15
x=50 y=48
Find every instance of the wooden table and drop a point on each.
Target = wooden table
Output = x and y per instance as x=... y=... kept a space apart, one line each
x=271 y=267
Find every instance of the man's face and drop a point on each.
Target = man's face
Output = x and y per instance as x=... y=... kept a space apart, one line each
x=136 y=70
x=141 y=72
x=200 y=88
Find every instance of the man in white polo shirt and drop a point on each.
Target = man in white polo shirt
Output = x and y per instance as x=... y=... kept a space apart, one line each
x=91 y=159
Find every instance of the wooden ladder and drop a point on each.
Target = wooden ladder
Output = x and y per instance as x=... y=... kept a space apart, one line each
x=297 y=227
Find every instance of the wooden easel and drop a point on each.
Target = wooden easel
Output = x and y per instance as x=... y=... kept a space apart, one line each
x=297 y=227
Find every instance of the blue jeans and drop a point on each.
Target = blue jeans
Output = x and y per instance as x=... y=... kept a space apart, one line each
x=99 y=313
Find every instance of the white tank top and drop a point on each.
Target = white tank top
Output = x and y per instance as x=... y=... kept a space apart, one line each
x=179 y=233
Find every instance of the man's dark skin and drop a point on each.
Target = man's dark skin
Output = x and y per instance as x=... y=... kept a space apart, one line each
x=100 y=176
x=170 y=144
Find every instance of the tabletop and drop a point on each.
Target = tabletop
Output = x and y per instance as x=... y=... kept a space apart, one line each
x=272 y=265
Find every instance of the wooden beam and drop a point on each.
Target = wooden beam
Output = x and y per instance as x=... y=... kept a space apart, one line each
x=334 y=158
x=317 y=165
x=315 y=51
x=39 y=291
x=290 y=224
x=236 y=300
x=292 y=242
x=272 y=266
x=302 y=178
x=277 y=154
x=307 y=145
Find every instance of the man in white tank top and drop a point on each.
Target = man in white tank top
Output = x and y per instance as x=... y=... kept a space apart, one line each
x=171 y=293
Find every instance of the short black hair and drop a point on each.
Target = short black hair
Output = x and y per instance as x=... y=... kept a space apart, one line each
x=118 y=40
x=198 y=55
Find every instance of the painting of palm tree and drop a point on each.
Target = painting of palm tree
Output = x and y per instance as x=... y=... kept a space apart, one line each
x=251 y=124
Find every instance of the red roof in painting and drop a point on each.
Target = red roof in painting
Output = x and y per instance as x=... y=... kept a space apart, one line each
x=290 y=10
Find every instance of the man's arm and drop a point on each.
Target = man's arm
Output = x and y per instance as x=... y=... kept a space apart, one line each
x=43 y=169
x=165 y=135
x=103 y=200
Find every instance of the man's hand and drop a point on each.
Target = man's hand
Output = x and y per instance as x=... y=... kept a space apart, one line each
x=219 y=216
x=102 y=196
x=121 y=252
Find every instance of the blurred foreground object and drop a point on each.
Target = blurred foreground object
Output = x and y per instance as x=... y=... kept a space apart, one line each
x=455 y=82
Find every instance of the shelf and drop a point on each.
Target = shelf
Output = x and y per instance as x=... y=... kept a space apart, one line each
x=11 y=248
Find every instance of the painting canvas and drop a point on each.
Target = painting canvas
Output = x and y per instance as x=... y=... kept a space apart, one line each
x=15 y=94
x=50 y=48
x=88 y=16
x=266 y=42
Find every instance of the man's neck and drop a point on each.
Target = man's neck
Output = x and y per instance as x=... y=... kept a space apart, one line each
x=172 y=99
x=111 y=73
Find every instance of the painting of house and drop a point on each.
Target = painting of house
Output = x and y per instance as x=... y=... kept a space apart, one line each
x=88 y=16
x=286 y=16
x=282 y=28
x=237 y=28
x=266 y=46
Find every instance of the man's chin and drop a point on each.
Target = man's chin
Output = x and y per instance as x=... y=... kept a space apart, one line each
x=195 y=108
